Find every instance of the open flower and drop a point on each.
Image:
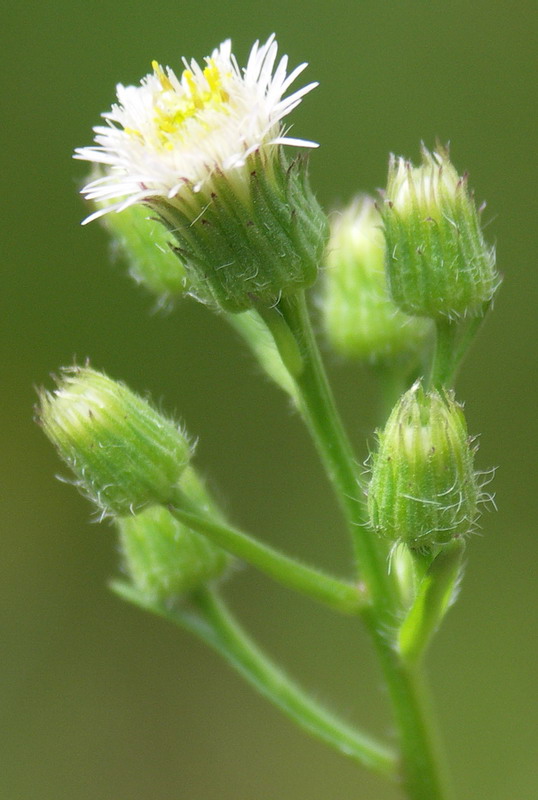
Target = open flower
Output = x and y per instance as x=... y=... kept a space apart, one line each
x=170 y=133
x=205 y=153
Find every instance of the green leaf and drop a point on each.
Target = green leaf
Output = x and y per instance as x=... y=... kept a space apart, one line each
x=435 y=595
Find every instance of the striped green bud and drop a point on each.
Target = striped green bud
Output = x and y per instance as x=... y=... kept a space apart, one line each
x=146 y=245
x=164 y=558
x=123 y=452
x=248 y=236
x=438 y=263
x=423 y=489
x=361 y=321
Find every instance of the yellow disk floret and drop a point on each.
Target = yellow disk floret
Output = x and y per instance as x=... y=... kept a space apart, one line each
x=172 y=133
x=175 y=105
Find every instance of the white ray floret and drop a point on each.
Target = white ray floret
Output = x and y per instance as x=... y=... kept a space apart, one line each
x=170 y=133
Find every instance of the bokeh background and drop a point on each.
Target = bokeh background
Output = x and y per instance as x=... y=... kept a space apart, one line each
x=99 y=701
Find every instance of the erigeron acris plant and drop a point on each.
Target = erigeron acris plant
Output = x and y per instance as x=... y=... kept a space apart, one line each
x=206 y=194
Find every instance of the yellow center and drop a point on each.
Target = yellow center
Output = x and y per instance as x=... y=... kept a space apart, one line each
x=173 y=108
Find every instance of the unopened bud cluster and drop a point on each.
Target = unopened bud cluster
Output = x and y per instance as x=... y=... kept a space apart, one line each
x=360 y=318
x=124 y=453
x=423 y=490
x=437 y=260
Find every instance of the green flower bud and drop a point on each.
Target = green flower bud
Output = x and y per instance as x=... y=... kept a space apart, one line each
x=248 y=236
x=123 y=452
x=361 y=320
x=147 y=247
x=423 y=490
x=164 y=558
x=437 y=260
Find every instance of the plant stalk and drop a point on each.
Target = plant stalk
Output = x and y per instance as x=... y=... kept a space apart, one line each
x=337 y=594
x=214 y=625
x=421 y=770
x=275 y=685
x=333 y=445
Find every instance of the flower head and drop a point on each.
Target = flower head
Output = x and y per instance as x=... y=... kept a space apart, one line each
x=361 y=321
x=164 y=558
x=423 y=188
x=424 y=490
x=123 y=452
x=438 y=262
x=173 y=132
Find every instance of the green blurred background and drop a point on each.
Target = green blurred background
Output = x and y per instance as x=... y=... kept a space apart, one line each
x=99 y=701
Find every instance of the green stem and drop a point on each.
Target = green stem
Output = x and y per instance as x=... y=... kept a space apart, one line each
x=256 y=335
x=453 y=339
x=337 y=594
x=286 y=343
x=421 y=771
x=434 y=595
x=217 y=628
x=444 y=364
x=328 y=433
x=277 y=687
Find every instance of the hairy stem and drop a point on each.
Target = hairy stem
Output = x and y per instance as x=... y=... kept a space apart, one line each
x=339 y=595
x=423 y=773
x=421 y=769
x=212 y=623
x=333 y=445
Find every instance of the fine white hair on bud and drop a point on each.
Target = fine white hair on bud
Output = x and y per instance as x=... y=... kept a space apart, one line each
x=424 y=491
x=123 y=452
x=174 y=132
x=438 y=263
x=424 y=187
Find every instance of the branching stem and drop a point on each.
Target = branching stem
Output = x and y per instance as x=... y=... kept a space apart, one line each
x=421 y=770
x=339 y=595
x=210 y=620
x=330 y=438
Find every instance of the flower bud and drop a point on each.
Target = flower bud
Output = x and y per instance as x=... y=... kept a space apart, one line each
x=123 y=452
x=164 y=558
x=146 y=245
x=423 y=490
x=360 y=318
x=248 y=237
x=437 y=260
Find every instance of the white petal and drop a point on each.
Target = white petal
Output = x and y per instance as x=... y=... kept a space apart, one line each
x=175 y=131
